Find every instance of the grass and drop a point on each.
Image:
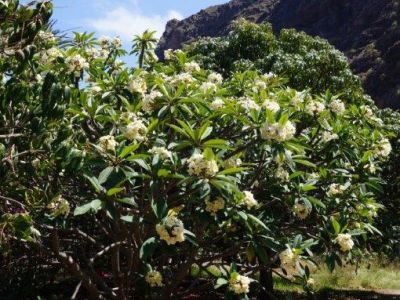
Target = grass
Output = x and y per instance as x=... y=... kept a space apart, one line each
x=369 y=276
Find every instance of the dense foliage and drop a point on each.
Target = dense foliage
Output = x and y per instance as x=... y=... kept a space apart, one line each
x=308 y=63
x=167 y=180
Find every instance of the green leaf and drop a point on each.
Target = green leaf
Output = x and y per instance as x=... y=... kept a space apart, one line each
x=220 y=282
x=95 y=183
x=257 y=221
x=93 y=206
x=305 y=163
x=114 y=191
x=147 y=248
x=129 y=201
x=128 y=150
x=336 y=226
x=105 y=174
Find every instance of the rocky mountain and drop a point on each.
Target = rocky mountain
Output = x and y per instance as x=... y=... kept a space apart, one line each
x=367 y=31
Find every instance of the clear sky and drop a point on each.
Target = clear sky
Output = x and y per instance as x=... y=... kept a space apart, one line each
x=123 y=17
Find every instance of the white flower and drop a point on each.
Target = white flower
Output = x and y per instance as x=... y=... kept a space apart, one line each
x=218 y=103
x=51 y=55
x=314 y=108
x=138 y=85
x=148 y=101
x=171 y=230
x=116 y=42
x=336 y=189
x=108 y=143
x=161 y=151
x=278 y=132
x=248 y=200
x=39 y=78
x=168 y=54
x=76 y=64
x=198 y=165
x=371 y=168
x=46 y=36
x=297 y=100
x=207 y=87
x=383 y=148
x=271 y=105
x=185 y=78
x=337 y=106
x=232 y=162
x=268 y=76
x=154 y=279
x=345 y=241
x=259 y=85
x=289 y=262
x=239 y=284
x=191 y=67
x=215 y=78
x=214 y=206
x=36 y=163
x=104 y=41
x=247 y=103
x=372 y=210
x=301 y=211
x=282 y=174
x=328 y=136
x=59 y=206
x=136 y=130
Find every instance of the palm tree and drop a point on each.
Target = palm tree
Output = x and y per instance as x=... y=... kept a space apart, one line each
x=142 y=45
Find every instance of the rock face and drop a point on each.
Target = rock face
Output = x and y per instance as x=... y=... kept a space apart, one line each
x=367 y=31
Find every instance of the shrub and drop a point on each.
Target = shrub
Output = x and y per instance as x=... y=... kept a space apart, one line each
x=167 y=181
x=308 y=63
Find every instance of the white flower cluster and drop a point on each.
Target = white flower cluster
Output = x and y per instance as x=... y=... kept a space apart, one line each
x=247 y=103
x=314 y=108
x=217 y=103
x=278 y=132
x=345 y=241
x=383 y=148
x=269 y=76
x=301 y=211
x=198 y=165
x=50 y=55
x=208 y=87
x=168 y=54
x=137 y=85
x=289 y=262
x=281 y=174
x=232 y=162
x=297 y=100
x=154 y=279
x=337 y=106
x=191 y=67
x=214 y=206
x=336 y=189
x=371 y=168
x=171 y=230
x=161 y=151
x=108 y=143
x=182 y=78
x=328 y=136
x=76 y=64
x=148 y=102
x=59 y=206
x=215 y=78
x=259 y=85
x=248 y=200
x=271 y=105
x=239 y=284
x=46 y=36
x=135 y=131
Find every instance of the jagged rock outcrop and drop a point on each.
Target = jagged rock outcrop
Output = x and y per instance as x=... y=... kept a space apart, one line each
x=367 y=31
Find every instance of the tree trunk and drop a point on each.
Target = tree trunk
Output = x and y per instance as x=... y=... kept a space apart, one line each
x=267 y=283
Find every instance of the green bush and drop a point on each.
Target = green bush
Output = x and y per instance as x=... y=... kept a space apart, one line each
x=168 y=181
x=308 y=63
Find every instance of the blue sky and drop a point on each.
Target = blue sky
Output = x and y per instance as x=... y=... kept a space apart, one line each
x=123 y=18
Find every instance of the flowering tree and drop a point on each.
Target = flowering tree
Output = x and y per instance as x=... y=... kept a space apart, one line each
x=306 y=62
x=167 y=180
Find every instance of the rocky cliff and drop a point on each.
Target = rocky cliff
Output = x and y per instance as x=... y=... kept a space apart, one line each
x=367 y=31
